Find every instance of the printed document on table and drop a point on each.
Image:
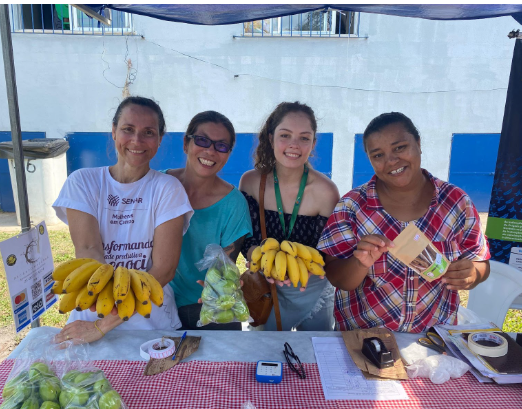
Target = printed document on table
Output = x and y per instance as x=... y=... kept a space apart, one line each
x=341 y=379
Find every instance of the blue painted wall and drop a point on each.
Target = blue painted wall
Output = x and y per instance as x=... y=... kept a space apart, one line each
x=88 y=149
x=472 y=165
x=362 y=168
x=6 y=189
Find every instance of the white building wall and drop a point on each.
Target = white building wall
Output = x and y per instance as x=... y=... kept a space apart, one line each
x=449 y=77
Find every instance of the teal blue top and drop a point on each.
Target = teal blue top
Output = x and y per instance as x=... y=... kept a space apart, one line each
x=222 y=223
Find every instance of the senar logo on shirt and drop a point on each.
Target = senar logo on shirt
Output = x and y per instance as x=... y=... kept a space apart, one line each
x=113 y=200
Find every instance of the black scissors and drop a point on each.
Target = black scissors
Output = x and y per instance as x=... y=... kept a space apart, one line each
x=433 y=341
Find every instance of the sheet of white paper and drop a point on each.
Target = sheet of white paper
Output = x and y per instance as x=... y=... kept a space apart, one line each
x=341 y=379
x=28 y=263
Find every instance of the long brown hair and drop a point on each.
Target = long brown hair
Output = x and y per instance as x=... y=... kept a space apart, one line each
x=264 y=158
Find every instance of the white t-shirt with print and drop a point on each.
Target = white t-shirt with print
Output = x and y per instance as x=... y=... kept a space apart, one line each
x=127 y=215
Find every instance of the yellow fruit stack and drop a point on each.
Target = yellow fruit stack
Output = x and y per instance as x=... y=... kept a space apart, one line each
x=84 y=282
x=287 y=260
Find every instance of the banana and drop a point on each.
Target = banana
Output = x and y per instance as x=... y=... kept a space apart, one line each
x=79 y=277
x=127 y=306
x=105 y=301
x=255 y=266
x=67 y=303
x=140 y=287
x=144 y=309
x=61 y=272
x=289 y=247
x=84 y=300
x=280 y=264
x=156 y=290
x=316 y=256
x=292 y=268
x=57 y=287
x=314 y=268
x=257 y=254
x=267 y=262
x=303 y=252
x=100 y=278
x=121 y=284
x=269 y=244
x=303 y=272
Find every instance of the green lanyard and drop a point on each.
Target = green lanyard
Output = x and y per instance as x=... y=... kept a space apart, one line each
x=296 y=205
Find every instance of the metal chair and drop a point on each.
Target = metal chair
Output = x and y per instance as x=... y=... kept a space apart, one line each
x=501 y=291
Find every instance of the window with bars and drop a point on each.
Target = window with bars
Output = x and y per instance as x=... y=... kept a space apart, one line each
x=65 y=19
x=330 y=23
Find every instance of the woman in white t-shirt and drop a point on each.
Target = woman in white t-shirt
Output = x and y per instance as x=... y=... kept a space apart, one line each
x=127 y=215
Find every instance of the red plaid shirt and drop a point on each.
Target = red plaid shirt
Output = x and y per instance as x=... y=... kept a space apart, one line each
x=392 y=295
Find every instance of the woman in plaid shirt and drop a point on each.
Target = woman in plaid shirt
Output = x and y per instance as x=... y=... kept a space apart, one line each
x=373 y=289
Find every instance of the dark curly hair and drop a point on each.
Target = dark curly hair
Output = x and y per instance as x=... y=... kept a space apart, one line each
x=388 y=118
x=212 y=117
x=144 y=102
x=264 y=158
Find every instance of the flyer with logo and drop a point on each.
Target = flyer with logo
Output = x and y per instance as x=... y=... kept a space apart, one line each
x=28 y=263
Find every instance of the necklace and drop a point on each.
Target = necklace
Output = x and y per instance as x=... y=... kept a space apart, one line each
x=297 y=203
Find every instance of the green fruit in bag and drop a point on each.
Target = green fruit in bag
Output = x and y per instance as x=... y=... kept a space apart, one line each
x=49 y=389
x=77 y=396
x=225 y=302
x=231 y=273
x=102 y=386
x=206 y=315
x=208 y=294
x=229 y=287
x=213 y=276
x=50 y=405
x=38 y=370
x=68 y=378
x=224 y=317
x=240 y=310
x=31 y=403
x=14 y=402
x=10 y=387
x=110 y=400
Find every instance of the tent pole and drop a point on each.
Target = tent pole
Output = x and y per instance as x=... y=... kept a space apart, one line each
x=14 y=115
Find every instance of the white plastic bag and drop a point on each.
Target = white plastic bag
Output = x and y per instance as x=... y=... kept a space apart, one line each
x=439 y=368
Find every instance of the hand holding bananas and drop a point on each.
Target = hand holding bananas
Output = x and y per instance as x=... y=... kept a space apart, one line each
x=84 y=282
x=288 y=260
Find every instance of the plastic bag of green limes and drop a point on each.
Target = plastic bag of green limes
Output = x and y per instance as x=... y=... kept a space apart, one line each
x=34 y=384
x=223 y=300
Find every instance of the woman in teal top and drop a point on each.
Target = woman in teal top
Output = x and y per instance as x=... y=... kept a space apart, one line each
x=221 y=213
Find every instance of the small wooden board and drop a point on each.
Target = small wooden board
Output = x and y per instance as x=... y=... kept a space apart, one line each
x=157 y=366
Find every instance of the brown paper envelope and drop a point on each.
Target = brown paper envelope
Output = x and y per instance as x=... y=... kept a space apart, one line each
x=157 y=366
x=354 y=342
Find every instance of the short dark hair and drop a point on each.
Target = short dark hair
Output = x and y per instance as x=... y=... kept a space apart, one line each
x=264 y=158
x=383 y=120
x=144 y=102
x=211 y=117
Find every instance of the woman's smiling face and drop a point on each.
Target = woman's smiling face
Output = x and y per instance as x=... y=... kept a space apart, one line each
x=395 y=155
x=136 y=136
x=207 y=161
x=293 y=140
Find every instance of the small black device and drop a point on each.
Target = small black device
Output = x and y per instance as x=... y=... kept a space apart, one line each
x=377 y=353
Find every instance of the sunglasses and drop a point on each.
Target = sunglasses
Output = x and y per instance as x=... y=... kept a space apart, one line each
x=204 y=142
x=293 y=361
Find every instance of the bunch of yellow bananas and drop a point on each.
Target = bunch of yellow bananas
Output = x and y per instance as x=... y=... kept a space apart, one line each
x=288 y=259
x=85 y=282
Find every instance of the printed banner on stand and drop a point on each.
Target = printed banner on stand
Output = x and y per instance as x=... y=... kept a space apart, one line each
x=28 y=263
x=504 y=228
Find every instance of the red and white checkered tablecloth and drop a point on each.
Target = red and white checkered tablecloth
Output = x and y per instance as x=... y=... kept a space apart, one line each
x=227 y=385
